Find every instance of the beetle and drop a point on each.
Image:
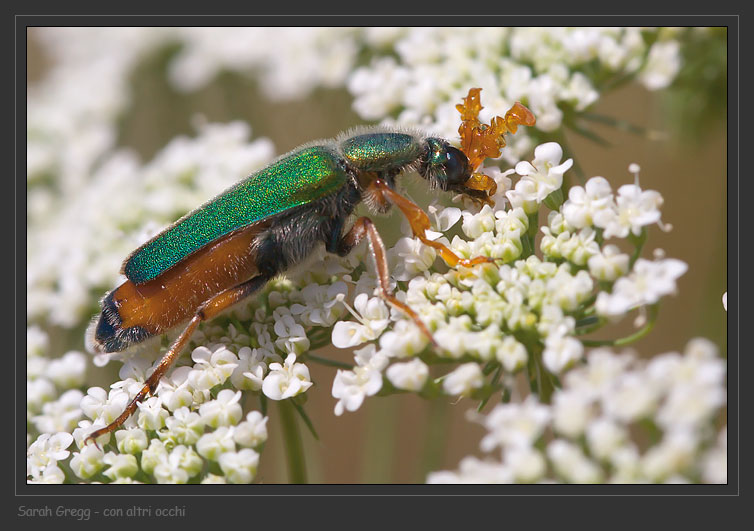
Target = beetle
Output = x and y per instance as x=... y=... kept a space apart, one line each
x=227 y=249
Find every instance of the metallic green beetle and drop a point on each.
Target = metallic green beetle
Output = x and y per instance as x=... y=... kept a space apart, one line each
x=230 y=247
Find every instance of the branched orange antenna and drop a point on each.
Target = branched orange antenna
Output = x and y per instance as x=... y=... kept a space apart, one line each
x=481 y=141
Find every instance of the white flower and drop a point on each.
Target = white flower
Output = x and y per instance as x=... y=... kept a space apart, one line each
x=569 y=291
x=87 y=462
x=403 y=341
x=600 y=374
x=408 y=376
x=211 y=368
x=444 y=218
x=524 y=196
x=715 y=463
x=36 y=342
x=251 y=432
x=291 y=335
x=97 y=405
x=47 y=450
x=151 y=414
x=626 y=463
x=690 y=406
x=463 y=380
x=60 y=415
x=132 y=375
x=561 y=352
x=322 y=304
x=452 y=338
x=249 y=373
x=85 y=428
x=545 y=171
x=373 y=317
x=571 y=463
x=241 y=466
x=215 y=443
x=224 y=410
x=154 y=455
x=121 y=466
x=572 y=411
x=609 y=264
x=515 y=425
x=475 y=471
x=185 y=426
x=68 y=371
x=131 y=441
x=179 y=466
x=646 y=284
x=38 y=392
x=527 y=464
x=589 y=205
x=579 y=247
x=51 y=474
x=636 y=208
x=511 y=354
x=474 y=225
x=174 y=389
x=604 y=437
x=213 y=479
x=663 y=63
x=631 y=399
x=675 y=453
x=285 y=381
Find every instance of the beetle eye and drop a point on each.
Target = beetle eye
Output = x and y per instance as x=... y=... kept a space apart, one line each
x=457 y=168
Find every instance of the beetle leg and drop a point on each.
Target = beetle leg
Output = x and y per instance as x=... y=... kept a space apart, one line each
x=206 y=311
x=419 y=222
x=363 y=227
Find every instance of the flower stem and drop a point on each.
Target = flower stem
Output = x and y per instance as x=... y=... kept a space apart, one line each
x=623 y=341
x=293 y=447
x=329 y=362
x=545 y=384
x=379 y=451
x=639 y=242
x=436 y=438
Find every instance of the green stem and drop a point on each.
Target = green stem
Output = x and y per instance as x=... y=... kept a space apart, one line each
x=294 y=448
x=531 y=366
x=546 y=387
x=528 y=240
x=638 y=241
x=436 y=438
x=588 y=325
x=379 y=449
x=493 y=388
x=623 y=341
x=329 y=362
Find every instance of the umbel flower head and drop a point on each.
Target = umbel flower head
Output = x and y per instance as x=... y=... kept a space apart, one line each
x=595 y=428
x=528 y=313
x=522 y=312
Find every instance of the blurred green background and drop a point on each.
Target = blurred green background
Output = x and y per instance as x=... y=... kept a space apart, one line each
x=399 y=438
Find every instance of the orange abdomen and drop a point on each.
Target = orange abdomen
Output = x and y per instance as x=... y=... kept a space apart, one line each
x=134 y=312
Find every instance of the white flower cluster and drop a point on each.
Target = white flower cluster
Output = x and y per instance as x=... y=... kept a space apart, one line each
x=52 y=394
x=425 y=71
x=75 y=252
x=503 y=313
x=598 y=425
x=90 y=204
x=196 y=416
x=416 y=74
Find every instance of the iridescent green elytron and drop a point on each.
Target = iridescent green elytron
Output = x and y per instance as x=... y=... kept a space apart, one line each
x=377 y=151
x=295 y=180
